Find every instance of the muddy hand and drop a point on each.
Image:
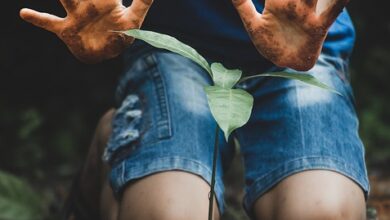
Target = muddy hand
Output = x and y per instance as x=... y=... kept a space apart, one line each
x=88 y=28
x=290 y=33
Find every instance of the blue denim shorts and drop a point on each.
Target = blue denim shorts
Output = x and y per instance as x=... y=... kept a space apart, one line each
x=163 y=123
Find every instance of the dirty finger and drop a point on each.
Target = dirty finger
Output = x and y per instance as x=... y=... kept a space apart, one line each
x=46 y=21
x=329 y=15
x=138 y=10
x=246 y=9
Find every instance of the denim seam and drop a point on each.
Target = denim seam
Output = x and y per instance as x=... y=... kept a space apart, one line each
x=164 y=125
x=196 y=168
x=262 y=184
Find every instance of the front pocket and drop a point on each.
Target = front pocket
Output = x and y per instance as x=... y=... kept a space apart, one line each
x=143 y=117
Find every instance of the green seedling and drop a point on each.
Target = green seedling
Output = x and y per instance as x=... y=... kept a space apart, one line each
x=230 y=107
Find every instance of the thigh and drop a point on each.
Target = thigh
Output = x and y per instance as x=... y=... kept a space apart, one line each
x=171 y=195
x=297 y=127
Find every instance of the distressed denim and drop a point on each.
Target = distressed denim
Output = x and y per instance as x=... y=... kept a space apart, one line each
x=163 y=123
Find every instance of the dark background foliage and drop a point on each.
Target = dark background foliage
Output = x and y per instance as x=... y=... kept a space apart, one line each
x=50 y=103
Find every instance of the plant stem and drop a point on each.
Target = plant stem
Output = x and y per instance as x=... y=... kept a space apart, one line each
x=215 y=157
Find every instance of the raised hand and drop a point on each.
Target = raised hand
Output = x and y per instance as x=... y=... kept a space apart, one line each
x=290 y=33
x=88 y=29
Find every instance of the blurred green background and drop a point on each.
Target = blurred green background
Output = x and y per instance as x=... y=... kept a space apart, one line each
x=50 y=103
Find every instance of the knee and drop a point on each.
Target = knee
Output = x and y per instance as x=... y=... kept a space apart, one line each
x=167 y=210
x=313 y=195
x=171 y=210
x=174 y=213
x=322 y=209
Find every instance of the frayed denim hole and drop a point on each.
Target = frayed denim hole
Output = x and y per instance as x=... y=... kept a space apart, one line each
x=126 y=130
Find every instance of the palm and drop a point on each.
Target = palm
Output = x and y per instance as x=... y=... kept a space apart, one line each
x=88 y=29
x=290 y=33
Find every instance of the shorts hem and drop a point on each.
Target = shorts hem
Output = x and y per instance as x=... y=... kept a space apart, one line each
x=126 y=171
x=266 y=182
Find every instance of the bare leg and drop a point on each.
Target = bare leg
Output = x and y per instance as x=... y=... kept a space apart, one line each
x=172 y=195
x=94 y=187
x=313 y=195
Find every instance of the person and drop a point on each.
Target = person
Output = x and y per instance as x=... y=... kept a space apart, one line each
x=302 y=154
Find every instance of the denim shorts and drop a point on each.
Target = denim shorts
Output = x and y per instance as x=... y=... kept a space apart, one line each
x=163 y=123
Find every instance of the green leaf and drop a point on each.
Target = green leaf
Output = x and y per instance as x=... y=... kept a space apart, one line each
x=303 y=77
x=223 y=77
x=231 y=108
x=18 y=200
x=167 y=42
